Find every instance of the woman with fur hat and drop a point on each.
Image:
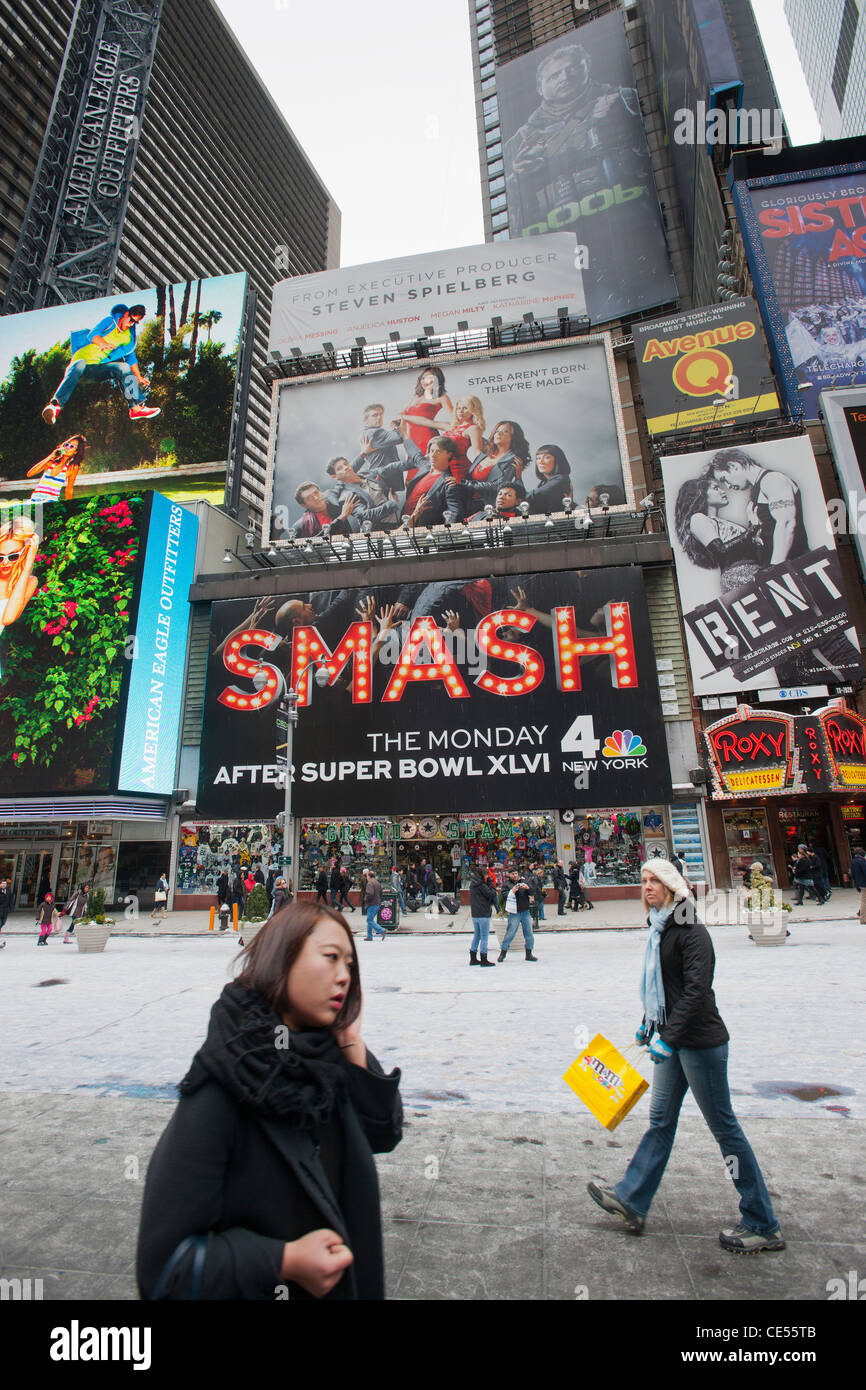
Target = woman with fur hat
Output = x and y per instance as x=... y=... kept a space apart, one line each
x=688 y=1042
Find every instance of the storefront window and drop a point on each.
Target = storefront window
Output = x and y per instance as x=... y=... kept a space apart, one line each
x=611 y=843
x=808 y=825
x=206 y=849
x=747 y=839
x=854 y=821
x=357 y=844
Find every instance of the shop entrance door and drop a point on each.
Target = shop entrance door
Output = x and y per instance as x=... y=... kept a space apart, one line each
x=34 y=869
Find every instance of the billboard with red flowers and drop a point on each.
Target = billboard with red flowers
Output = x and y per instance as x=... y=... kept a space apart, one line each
x=70 y=581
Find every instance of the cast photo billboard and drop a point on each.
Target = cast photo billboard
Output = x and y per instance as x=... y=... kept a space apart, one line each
x=759 y=577
x=440 y=290
x=531 y=690
x=356 y=450
x=142 y=380
x=93 y=608
x=806 y=245
x=576 y=159
x=704 y=367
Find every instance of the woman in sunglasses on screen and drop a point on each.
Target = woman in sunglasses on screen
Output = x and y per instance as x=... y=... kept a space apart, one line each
x=19 y=545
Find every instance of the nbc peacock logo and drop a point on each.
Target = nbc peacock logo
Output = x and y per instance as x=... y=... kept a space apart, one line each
x=622 y=743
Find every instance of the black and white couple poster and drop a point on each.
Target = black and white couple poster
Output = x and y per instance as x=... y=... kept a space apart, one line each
x=759 y=577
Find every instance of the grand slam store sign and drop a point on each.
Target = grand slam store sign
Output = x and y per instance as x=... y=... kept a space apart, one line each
x=487 y=694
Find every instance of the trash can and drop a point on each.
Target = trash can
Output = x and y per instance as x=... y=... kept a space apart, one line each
x=388 y=915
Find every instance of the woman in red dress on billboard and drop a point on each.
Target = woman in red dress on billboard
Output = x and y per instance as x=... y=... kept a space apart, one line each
x=467 y=432
x=429 y=399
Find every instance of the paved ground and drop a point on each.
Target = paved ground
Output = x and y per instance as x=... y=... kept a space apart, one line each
x=485 y=1198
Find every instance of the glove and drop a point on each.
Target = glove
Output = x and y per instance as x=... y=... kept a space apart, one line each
x=641 y=1037
x=659 y=1051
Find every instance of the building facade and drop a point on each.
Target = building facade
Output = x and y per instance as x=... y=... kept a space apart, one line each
x=219 y=182
x=831 y=45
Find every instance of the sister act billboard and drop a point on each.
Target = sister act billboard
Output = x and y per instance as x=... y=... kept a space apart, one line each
x=494 y=694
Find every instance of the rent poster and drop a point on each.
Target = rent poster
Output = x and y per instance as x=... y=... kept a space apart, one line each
x=440 y=443
x=758 y=573
x=140 y=382
x=469 y=695
x=576 y=159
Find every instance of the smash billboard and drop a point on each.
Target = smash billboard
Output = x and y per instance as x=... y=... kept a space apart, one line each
x=759 y=577
x=70 y=603
x=704 y=367
x=543 y=425
x=805 y=239
x=531 y=690
x=576 y=159
x=143 y=380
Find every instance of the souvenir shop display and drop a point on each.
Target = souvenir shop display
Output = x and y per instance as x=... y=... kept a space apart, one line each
x=207 y=849
x=610 y=843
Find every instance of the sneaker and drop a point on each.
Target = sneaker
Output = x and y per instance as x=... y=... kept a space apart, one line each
x=50 y=413
x=143 y=412
x=606 y=1198
x=742 y=1240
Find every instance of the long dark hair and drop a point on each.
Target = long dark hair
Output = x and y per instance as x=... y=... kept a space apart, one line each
x=692 y=499
x=439 y=375
x=267 y=962
x=562 y=467
x=519 y=445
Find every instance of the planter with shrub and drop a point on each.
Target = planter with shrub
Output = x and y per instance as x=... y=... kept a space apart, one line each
x=765 y=916
x=93 y=930
x=255 y=914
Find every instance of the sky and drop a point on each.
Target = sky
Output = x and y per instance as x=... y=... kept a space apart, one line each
x=380 y=97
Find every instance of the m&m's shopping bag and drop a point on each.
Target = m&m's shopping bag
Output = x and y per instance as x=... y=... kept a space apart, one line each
x=604 y=1081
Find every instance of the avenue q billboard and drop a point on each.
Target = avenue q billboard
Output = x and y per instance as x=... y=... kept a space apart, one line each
x=759 y=577
x=704 y=367
x=442 y=289
x=532 y=690
x=576 y=159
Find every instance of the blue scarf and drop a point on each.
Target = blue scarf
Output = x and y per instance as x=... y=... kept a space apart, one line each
x=652 y=985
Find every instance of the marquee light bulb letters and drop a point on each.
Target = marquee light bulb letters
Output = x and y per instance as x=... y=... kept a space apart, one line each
x=618 y=644
x=354 y=646
x=441 y=668
x=268 y=680
x=487 y=636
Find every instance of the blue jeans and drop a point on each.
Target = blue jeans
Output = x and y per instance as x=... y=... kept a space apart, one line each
x=705 y=1070
x=104 y=371
x=371 y=922
x=515 y=920
x=480 y=933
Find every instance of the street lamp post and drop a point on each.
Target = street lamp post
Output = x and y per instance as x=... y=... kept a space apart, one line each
x=291 y=699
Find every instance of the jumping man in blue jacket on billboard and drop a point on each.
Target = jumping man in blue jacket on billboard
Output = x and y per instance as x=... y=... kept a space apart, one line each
x=106 y=352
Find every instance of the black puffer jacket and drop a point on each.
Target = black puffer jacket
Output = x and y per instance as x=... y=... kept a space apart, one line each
x=482 y=896
x=688 y=962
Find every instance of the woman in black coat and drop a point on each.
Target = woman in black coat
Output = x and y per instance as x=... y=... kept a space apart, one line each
x=238 y=894
x=688 y=1042
x=553 y=472
x=263 y=1186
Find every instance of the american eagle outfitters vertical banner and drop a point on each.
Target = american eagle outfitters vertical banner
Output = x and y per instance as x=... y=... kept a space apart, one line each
x=758 y=573
x=576 y=159
x=155 y=692
x=471 y=694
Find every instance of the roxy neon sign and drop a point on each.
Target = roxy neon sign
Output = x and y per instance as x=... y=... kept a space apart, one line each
x=425 y=658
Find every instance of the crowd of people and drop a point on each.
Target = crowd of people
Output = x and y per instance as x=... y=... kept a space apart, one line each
x=436 y=462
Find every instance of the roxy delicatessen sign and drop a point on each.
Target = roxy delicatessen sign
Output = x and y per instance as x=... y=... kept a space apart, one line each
x=758 y=752
x=490 y=694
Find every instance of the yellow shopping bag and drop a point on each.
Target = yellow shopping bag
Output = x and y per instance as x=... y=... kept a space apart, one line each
x=604 y=1081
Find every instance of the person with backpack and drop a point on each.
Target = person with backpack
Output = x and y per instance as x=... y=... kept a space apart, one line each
x=688 y=1045
x=371 y=901
x=519 y=915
